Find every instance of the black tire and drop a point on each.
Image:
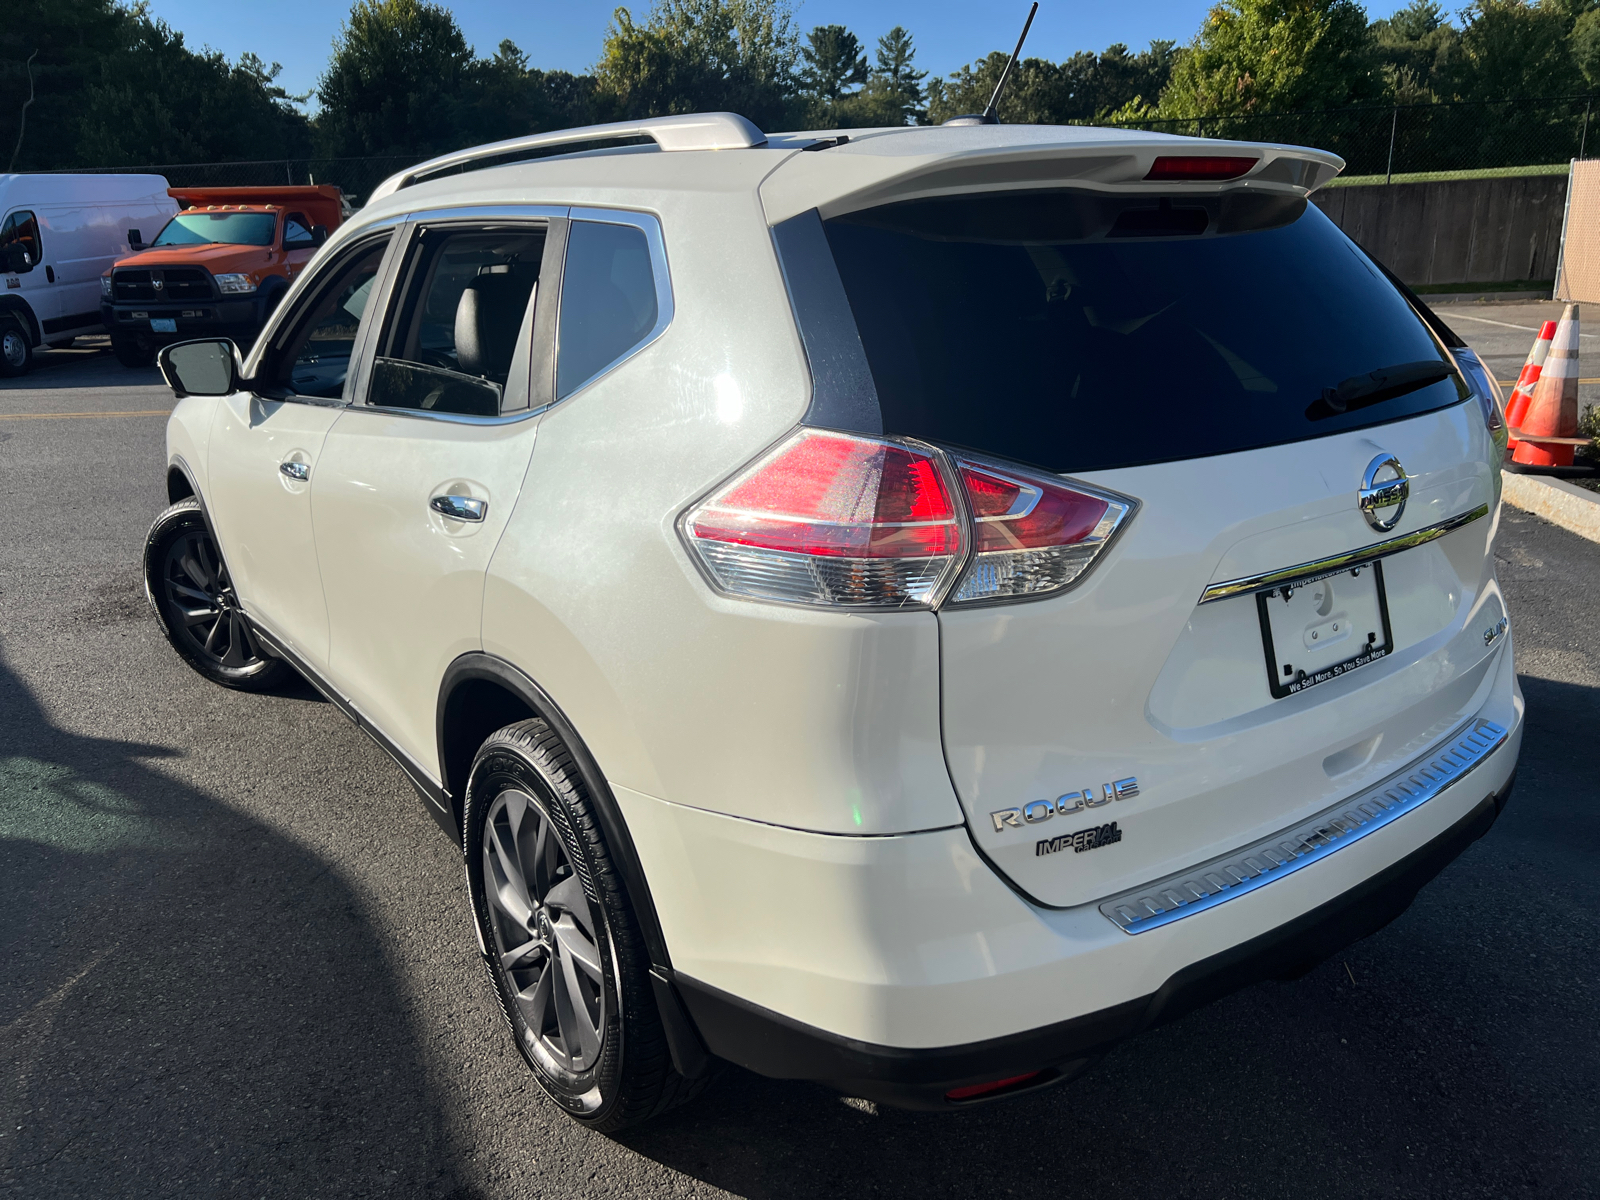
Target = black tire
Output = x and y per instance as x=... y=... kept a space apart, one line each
x=187 y=584
x=132 y=350
x=569 y=879
x=16 y=350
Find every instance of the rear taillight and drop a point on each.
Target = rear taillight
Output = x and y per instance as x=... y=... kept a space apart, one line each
x=1034 y=534
x=842 y=520
x=1491 y=400
x=1199 y=167
x=834 y=519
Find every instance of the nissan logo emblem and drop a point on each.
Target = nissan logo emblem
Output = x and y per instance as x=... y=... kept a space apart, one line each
x=1383 y=494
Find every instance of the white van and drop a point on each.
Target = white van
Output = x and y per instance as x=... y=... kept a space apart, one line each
x=58 y=235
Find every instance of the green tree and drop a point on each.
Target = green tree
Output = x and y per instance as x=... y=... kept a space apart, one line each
x=893 y=94
x=833 y=62
x=1511 y=48
x=1585 y=43
x=397 y=80
x=1086 y=87
x=113 y=86
x=1034 y=95
x=1264 y=56
x=897 y=80
x=1419 y=51
x=699 y=55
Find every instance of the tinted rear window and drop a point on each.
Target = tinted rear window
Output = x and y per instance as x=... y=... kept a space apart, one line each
x=1083 y=331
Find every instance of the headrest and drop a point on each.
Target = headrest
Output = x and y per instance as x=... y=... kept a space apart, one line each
x=488 y=317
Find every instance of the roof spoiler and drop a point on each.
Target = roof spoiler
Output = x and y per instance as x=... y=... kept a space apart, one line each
x=690 y=131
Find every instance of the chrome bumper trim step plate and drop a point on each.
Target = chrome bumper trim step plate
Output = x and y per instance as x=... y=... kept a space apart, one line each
x=1237 y=874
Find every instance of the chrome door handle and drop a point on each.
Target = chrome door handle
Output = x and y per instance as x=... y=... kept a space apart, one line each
x=460 y=508
x=298 y=471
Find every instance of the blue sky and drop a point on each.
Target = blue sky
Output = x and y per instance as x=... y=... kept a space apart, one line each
x=566 y=34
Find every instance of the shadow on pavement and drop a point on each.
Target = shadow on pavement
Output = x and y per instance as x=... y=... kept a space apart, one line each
x=1451 y=1054
x=190 y=1005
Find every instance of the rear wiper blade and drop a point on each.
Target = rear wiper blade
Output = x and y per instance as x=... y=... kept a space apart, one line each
x=1383 y=384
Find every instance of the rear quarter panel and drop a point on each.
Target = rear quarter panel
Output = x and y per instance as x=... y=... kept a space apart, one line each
x=817 y=720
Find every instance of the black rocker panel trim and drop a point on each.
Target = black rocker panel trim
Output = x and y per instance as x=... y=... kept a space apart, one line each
x=777 y=1046
x=480 y=666
x=72 y=321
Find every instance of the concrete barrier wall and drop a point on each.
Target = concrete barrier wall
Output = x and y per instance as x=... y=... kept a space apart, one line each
x=1460 y=231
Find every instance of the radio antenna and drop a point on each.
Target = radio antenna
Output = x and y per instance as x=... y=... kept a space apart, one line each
x=991 y=115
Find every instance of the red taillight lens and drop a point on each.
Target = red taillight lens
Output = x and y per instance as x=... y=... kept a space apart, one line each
x=836 y=519
x=1034 y=533
x=1199 y=167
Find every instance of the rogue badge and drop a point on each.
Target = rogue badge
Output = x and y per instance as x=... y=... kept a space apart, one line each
x=1067 y=805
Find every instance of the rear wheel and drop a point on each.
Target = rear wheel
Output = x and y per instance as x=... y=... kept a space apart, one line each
x=563 y=948
x=188 y=586
x=16 y=352
x=132 y=350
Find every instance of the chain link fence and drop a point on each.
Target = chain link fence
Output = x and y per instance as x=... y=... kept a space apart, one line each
x=1376 y=140
x=1407 y=138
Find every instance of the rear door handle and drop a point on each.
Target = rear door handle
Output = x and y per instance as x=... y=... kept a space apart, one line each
x=298 y=471
x=460 y=508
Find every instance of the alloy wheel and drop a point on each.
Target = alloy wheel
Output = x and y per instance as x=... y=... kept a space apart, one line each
x=202 y=597
x=545 y=936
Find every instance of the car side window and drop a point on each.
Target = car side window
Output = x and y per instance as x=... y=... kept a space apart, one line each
x=608 y=300
x=296 y=232
x=314 y=358
x=455 y=325
x=22 y=228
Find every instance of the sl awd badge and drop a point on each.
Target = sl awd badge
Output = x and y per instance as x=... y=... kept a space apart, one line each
x=1067 y=805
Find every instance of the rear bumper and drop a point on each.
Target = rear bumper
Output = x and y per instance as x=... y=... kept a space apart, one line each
x=897 y=968
x=771 y=1044
x=230 y=318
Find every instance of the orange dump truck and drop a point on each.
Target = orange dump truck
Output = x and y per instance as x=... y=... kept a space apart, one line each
x=218 y=268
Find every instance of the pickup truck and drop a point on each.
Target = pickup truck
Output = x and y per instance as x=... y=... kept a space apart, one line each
x=217 y=268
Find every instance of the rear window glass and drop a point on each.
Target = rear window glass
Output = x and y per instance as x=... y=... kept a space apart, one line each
x=608 y=300
x=1083 y=331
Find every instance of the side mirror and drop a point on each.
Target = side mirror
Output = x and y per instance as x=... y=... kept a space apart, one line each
x=135 y=240
x=17 y=259
x=319 y=234
x=208 y=368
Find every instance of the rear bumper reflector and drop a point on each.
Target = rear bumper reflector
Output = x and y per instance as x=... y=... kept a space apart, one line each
x=1322 y=567
x=1244 y=871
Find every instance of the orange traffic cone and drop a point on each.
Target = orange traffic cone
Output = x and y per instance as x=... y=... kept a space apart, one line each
x=1517 y=406
x=1550 y=424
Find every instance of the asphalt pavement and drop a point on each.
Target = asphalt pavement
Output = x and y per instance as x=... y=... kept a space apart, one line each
x=235 y=956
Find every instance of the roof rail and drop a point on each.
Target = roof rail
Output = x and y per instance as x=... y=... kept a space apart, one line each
x=690 y=131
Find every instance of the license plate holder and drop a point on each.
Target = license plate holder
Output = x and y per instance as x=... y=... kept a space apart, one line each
x=163 y=325
x=1320 y=628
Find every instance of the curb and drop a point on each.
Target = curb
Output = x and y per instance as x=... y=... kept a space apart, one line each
x=1432 y=298
x=1557 y=501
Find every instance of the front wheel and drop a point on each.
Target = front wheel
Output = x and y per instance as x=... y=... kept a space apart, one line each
x=16 y=352
x=132 y=350
x=562 y=945
x=187 y=584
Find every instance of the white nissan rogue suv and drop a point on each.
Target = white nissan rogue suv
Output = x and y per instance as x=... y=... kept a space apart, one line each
x=906 y=610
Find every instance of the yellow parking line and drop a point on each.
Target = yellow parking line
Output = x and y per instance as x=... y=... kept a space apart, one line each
x=143 y=412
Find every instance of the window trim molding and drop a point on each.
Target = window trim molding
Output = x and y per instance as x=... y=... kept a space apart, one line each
x=650 y=226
